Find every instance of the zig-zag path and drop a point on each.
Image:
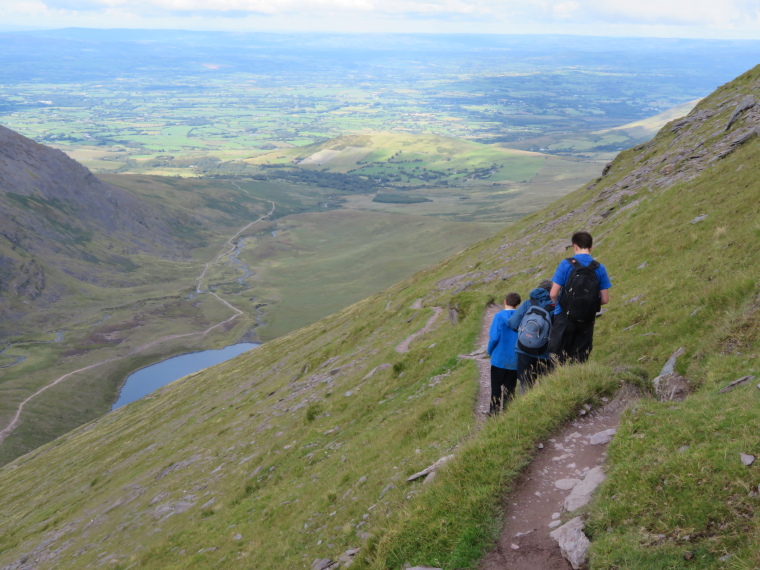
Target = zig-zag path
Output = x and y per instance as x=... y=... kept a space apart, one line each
x=231 y=243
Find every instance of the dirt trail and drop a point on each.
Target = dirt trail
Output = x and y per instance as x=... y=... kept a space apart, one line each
x=403 y=346
x=532 y=510
x=484 y=364
x=237 y=312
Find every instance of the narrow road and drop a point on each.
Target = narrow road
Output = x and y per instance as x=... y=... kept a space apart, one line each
x=230 y=246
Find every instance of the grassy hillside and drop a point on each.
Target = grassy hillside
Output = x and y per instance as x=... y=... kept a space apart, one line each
x=300 y=449
x=411 y=160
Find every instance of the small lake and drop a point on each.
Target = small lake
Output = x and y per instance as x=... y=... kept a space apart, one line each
x=150 y=378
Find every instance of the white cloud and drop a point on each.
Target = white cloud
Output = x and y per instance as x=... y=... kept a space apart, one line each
x=677 y=12
x=685 y=18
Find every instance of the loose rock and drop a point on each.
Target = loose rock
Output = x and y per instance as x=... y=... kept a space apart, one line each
x=431 y=468
x=321 y=564
x=581 y=493
x=572 y=542
x=671 y=387
x=566 y=484
x=747 y=459
x=602 y=437
x=735 y=383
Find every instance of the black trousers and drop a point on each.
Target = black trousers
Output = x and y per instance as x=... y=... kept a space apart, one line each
x=529 y=368
x=569 y=341
x=503 y=384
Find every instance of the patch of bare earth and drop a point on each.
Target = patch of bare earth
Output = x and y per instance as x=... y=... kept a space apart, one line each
x=403 y=346
x=533 y=510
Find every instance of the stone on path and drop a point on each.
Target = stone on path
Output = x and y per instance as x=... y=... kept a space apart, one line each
x=566 y=484
x=572 y=542
x=602 y=437
x=581 y=493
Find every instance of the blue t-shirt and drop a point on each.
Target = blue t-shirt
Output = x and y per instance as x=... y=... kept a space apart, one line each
x=502 y=341
x=565 y=267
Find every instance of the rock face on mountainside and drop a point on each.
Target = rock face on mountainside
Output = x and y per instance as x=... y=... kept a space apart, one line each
x=47 y=196
x=54 y=213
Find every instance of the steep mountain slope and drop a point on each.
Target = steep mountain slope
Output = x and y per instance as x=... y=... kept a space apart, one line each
x=55 y=214
x=301 y=449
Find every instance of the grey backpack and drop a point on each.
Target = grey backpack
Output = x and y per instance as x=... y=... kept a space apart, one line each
x=533 y=333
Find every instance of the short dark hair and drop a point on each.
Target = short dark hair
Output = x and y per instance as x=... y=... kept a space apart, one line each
x=512 y=299
x=583 y=240
x=546 y=284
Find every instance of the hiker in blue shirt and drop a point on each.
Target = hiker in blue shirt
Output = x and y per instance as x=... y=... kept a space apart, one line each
x=574 y=316
x=532 y=363
x=501 y=349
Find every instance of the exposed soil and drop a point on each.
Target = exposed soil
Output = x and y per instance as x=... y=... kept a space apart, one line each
x=537 y=501
x=403 y=346
x=484 y=364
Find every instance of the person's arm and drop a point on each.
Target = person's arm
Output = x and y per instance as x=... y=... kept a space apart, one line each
x=494 y=335
x=604 y=285
x=554 y=293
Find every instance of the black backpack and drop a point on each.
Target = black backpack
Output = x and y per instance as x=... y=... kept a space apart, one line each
x=533 y=332
x=580 y=297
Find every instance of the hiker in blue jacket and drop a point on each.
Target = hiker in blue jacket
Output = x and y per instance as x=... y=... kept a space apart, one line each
x=573 y=332
x=501 y=349
x=532 y=363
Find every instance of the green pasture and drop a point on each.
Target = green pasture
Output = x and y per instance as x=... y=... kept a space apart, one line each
x=318 y=263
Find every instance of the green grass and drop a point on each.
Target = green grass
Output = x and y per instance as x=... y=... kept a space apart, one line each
x=318 y=263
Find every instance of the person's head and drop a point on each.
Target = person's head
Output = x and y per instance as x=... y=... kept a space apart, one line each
x=546 y=284
x=512 y=299
x=583 y=240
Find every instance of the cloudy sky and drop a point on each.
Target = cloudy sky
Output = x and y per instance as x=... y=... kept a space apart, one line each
x=731 y=19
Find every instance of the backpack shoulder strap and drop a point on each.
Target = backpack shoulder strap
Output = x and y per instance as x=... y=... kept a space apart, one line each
x=572 y=261
x=594 y=264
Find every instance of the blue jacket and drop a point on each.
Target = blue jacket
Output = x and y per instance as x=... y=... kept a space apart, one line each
x=541 y=296
x=501 y=341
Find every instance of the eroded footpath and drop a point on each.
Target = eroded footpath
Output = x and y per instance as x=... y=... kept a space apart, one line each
x=559 y=481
